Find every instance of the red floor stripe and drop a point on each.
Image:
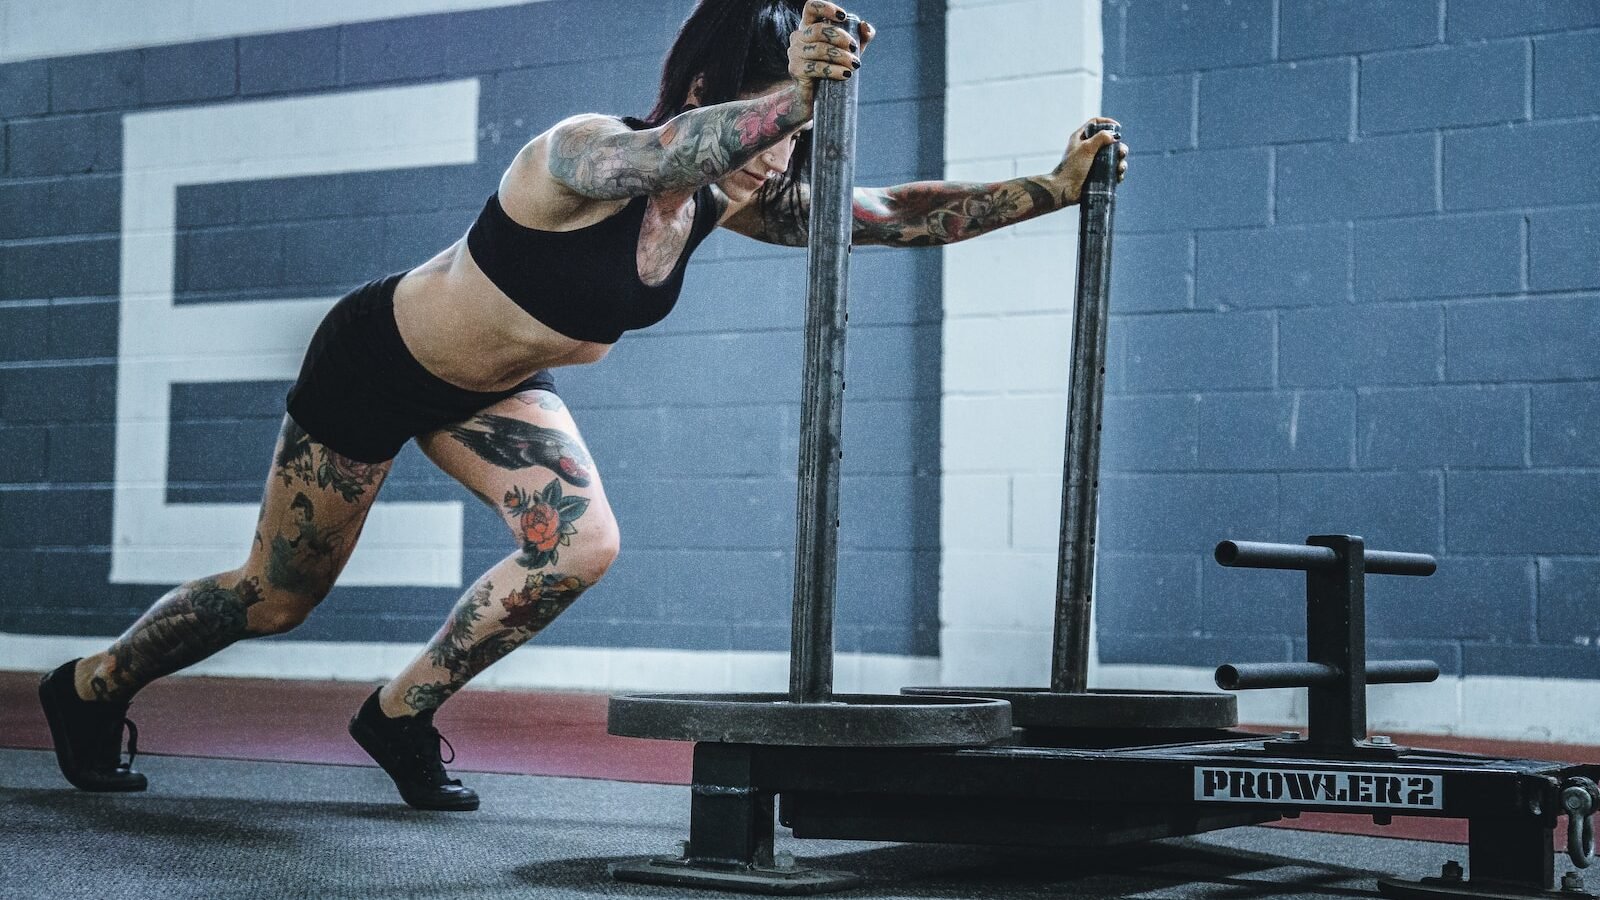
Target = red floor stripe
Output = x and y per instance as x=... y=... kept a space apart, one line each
x=524 y=733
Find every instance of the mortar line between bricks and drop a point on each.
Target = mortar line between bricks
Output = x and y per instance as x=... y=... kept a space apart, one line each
x=1438 y=171
x=1274 y=366
x=1272 y=186
x=1525 y=247
x=1447 y=216
x=990 y=80
x=85 y=362
x=1517 y=125
x=1355 y=99
x=1527 y=84
x=1442 y=509
x=1276 y=20
x=1356 y=471
x=1527 y=427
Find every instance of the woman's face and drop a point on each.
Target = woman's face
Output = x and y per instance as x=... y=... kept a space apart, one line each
x=743 y=183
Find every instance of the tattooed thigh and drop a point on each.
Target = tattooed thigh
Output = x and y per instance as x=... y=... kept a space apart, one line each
x=315 y=504
x=528 y=462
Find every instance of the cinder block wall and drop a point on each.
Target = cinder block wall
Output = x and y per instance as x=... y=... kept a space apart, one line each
x=693 y=422
x=1023 y=74
x=1357 y=289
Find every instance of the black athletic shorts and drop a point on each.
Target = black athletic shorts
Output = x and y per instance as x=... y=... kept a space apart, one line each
x=363 y=394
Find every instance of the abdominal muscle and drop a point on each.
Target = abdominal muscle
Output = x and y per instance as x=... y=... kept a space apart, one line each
x=465 y=330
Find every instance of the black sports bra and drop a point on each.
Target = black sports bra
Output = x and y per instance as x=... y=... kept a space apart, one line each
x=583 y=283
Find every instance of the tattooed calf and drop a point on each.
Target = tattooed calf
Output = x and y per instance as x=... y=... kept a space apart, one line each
x=514 y=444
x=423 y=697
x=189 y=624
x=463 y=649
x=541 y=599
x=451 y=643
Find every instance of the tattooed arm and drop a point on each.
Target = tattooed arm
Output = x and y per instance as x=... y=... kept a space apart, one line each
x=927 y=213
x=920 y=214
x=600 y=158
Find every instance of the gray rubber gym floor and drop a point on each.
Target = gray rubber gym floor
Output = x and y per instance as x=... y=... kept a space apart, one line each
x=228 y=829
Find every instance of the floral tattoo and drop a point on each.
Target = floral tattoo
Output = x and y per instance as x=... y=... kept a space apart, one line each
x=299 y=459
x=544 y=521
x=473 y=640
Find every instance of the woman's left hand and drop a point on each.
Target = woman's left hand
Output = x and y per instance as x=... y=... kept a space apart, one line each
x=1074 y=166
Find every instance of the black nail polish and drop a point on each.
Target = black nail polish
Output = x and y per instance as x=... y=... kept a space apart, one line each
x=856 y=64
x=848 y=73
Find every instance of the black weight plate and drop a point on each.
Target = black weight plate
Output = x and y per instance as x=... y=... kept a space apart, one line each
x=850 y=720
x=1043 y=708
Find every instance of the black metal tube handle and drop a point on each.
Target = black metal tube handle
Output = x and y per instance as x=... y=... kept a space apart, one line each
x=1306 y=558
x=822 y=389
x=1086 y=388
x=1262 y=676
x=1102 y=175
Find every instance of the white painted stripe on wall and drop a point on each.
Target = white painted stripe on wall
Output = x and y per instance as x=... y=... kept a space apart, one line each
x=1022 y=76
x=32 y=29
x=162 y=343
x=533 y=666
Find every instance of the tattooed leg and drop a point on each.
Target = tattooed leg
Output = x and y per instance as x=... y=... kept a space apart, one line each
x=314 y=506
x=307 y=563
x=301 y=459
x=568 y=538
x=505 y=608
x=515 y=444
x=545 y=400
x=190 y=623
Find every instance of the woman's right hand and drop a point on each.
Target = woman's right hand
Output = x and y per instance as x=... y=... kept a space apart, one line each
x=822 y=47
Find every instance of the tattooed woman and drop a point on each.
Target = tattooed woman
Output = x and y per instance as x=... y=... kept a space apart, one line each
x=585 y=238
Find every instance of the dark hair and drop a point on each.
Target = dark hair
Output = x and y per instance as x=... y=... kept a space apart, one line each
x=733 y=46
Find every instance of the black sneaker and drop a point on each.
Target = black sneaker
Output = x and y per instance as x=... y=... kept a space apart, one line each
x=408 y=749
x=88 y=736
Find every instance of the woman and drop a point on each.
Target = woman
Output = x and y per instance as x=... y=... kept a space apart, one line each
x=586 y=237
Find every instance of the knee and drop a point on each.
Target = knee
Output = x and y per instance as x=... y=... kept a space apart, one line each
x=601 y=549
x=276 y=618
x=577 y=540
x=277 y=615
x=273 y=609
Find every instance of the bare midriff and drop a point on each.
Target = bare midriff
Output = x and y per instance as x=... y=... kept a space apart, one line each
x=462 y=328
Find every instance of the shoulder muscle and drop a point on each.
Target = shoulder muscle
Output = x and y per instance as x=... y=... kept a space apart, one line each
x=601 y=158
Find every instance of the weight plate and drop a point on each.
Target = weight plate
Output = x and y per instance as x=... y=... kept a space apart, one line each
x=850 y=720
x=1154 y=710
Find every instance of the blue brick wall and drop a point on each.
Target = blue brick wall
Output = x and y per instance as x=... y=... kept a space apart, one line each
x=693 y=422
x=1357 y=289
